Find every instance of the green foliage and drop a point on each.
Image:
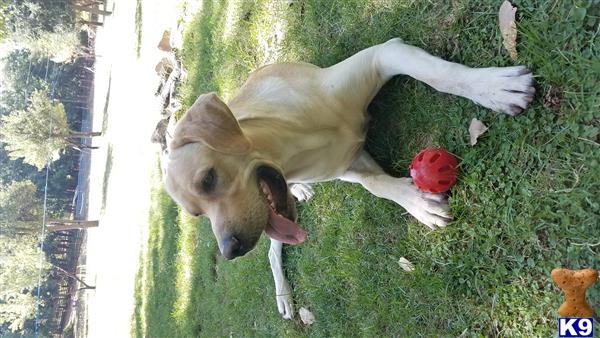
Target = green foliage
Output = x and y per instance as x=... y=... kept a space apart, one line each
x=20 y=208
x=526 y=201
x=16 y=309
x=38 y=133
x=60 y=44
x=19 y=269
x=46 y=28
x=22 y=75
x=20 y=264
x=20 y=219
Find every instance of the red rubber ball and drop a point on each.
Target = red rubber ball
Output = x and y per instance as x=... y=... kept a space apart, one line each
x=434 y=170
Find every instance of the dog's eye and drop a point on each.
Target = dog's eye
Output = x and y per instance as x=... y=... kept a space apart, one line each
x=209 y=181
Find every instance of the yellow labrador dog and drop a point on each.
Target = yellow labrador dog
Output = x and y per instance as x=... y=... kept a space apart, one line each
x=293 y=124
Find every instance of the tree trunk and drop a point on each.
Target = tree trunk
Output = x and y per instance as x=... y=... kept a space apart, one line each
x=68 y=224
x=92 y=23
x=92 y=10
x=80 y=134
x=80 y=147
x=21 y=230
x=72 y=275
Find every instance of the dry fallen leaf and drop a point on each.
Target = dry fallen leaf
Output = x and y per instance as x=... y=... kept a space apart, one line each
x=306 y=316
x=476 y=128
x=405 y=264
x=553 y=98
x=508 y=28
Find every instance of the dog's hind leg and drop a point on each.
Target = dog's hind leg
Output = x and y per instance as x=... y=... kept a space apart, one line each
x=430 y=209
x=358 y=78
x=283 y=292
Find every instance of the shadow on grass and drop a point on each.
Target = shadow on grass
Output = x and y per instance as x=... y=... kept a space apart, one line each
x=138 y=27
x=106 y=104
x=107 y=172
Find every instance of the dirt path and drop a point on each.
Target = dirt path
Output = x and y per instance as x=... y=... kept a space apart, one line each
x=114 y=247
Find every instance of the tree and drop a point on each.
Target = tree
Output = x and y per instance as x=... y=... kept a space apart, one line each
x=16 y=309
x=22 y=75
x=19 y=270
x=59 y=45
x=46 y=28
x=40 y=133
x=20 y=263
x=20 y=208
x=70 y=224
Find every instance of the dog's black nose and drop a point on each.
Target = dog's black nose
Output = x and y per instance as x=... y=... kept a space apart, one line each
x=231 y=247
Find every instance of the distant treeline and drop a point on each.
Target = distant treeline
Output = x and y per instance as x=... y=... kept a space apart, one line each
x=46 y=82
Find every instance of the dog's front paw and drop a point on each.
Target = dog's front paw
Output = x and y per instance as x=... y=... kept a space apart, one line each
x=429 y=208
x=285 y=306
x=502 y=89
x=302 y=192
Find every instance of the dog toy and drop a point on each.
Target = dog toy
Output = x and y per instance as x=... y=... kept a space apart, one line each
x=574 y=284
x=434 y=170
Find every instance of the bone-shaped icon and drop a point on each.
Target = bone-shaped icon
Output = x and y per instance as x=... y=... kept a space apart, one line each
x=574 y=284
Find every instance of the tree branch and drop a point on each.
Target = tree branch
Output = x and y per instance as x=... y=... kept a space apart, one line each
x=67 y=273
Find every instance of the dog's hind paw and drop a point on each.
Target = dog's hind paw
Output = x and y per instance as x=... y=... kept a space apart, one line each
x=302 y=192
x=503 y=89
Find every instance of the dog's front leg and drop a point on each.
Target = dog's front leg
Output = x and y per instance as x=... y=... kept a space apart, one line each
x=430 y=209
x=283 y=292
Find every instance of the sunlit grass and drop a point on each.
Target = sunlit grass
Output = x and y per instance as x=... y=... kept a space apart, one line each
x=188 y=243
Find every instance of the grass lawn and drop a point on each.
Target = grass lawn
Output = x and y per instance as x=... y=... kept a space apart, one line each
x=527 y=199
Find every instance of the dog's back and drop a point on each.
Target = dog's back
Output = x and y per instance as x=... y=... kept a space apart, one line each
x=318 y=133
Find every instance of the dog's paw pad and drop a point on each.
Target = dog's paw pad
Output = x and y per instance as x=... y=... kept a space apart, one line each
x=302 y=192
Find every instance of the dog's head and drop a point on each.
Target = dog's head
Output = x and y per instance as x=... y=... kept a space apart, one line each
x=213 y=170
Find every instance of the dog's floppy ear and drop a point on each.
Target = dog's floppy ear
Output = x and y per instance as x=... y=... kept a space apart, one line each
x=210 y=121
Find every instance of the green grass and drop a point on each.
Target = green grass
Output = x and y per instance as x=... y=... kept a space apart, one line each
x=526 y=201
x=138 y=27
x=154 y=285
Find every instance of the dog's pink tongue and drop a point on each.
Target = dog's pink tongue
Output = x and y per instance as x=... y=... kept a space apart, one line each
x=284 y=230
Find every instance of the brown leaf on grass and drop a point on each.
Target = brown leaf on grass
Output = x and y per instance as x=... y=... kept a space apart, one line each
x=306 y=316
x=476 y=128
x=508 y=28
